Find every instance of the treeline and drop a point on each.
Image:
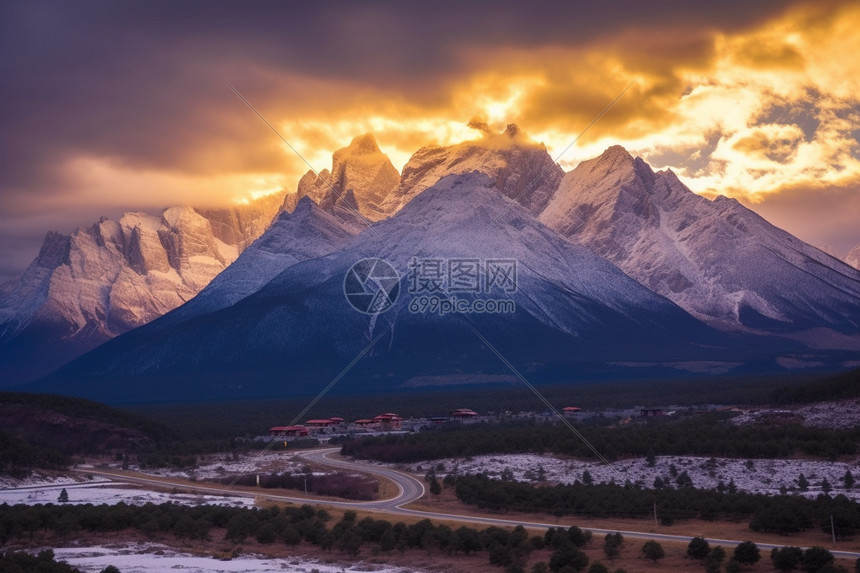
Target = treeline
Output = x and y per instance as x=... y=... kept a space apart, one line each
x=44 y=431
x=835 y=387
x=87 y=410
x=705 y=434
x=337 y=485
x=18 y=458
x=233 y=418
x=290 y=526
x=779 y=514
x=43 y=562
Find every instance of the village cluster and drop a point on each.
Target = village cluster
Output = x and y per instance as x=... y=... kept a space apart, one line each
x=391 y=422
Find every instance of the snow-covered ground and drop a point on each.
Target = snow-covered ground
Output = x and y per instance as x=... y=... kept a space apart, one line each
x=218 y=466
x=152 y=558
x=840 y=414
x=102 y=492
x=38 y=478
x=754 y=476
x=45 y=488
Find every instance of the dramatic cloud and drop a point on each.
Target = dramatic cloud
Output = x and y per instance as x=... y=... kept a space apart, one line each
x=112 y=106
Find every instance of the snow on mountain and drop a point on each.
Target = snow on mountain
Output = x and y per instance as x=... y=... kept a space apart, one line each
x=361 y=168
x=306 y=233
x=717 y=259
x=573 y=310
x=853 y=257
x=519 y=168
x=113 y=276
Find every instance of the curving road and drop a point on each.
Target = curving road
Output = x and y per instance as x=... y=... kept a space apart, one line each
x=411 y=489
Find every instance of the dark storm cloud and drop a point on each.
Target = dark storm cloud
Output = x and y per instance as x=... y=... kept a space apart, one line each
x=139 y=85
x=141 y=82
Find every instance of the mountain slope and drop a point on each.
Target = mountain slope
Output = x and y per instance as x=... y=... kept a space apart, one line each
x=106 y=279
x=306 y=233
x=574 y=312
x=717 y=259
x=519 y=168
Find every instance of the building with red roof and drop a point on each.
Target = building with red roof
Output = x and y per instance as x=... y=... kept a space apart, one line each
x=389 y=421
x=321 y=423
x=571 y=411
x=281 y=431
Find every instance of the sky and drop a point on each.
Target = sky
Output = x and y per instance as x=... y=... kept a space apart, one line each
x=107 y=107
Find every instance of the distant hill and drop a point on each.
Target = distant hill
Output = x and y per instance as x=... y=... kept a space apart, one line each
x=44 y=430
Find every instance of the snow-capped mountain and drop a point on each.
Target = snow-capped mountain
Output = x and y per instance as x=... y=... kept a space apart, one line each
x=853 y=257
x=716 y=259
x=106 y=279
x=619 y=269
x=360 y=168
x=574 y=310
x=519 y=168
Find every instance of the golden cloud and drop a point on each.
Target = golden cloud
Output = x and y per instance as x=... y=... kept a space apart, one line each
x=741 y=114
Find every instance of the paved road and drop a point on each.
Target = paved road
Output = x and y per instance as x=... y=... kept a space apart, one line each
x=409 y=490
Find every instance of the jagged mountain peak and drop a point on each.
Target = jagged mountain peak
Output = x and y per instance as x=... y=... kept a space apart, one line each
x=519 y=167
x=304 y=205
x=706 y=256
x=511 y=136
x=615 y=161
x=364 y=144
x=309 y=231
x=360 y=168
x=115 y=275
x=570 y=306
x=512 y=130
x=615 y=153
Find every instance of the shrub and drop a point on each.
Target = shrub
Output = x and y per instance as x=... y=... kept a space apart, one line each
x=653 y=550
x=815 y=559
x=698 y=548
x=747 y=553
x=568 y=556
x=786 y=558
x=612 y=545
x=714 y=559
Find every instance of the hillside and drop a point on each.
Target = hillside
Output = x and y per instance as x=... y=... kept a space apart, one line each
x=44 y=430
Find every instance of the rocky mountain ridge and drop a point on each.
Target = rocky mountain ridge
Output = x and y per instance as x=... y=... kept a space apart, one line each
x=113 y=276
x=717 y=259
x=721 y=263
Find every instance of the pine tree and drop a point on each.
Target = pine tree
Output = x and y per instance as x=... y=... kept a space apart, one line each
x=435 y=488
x=653 y=550
x=698 y=548
x=64 y=496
